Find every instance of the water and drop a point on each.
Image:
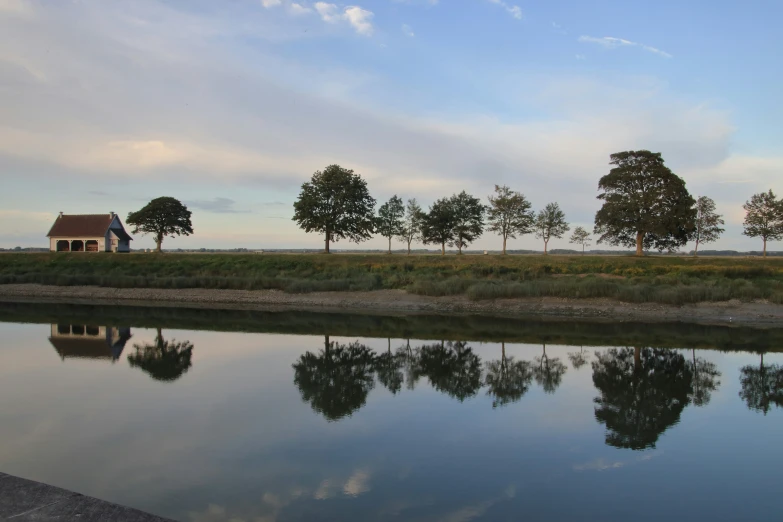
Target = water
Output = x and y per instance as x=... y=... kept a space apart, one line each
x=357 y=418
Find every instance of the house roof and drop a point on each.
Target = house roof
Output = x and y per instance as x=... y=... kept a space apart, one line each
x=121 y=234
x=82 y=225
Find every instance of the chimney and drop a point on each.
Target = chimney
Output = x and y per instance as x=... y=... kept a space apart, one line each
x=112 y=214
x=61 y=214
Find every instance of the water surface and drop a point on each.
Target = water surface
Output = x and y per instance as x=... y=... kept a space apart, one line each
x=426 y=418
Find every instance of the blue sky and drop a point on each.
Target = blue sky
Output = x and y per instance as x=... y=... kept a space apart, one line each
x=231 y=105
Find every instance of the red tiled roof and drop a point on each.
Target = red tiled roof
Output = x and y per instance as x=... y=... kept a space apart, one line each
x=81 y=225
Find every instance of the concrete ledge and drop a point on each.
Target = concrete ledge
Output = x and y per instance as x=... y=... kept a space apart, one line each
x=23 y=500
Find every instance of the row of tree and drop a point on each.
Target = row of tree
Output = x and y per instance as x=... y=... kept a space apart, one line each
x=645 y=205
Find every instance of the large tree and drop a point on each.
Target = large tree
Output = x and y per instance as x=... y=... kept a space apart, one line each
x=509 y=214
x=451 y=368
x=437 y=226
x=762 y=386
x=163 y=360
x=705 y=379
x=162 y=217
x=411 y=223
x=580 y=237
x=388 y=367
x=390 y=217
x=337 y=380
x=549 y=372
x=550 y=223
x=468 y=219
x=645 y=204
x=337 y=204
x=708 y=223
x=507 y=380
x=764 y=218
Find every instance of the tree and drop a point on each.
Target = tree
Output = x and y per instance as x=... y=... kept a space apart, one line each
x=162 y=217
x=762 y=386
x=163 y=360
x=507 y=380
x=643 y=393
x=337 y=204
x=468 y=223
x=580 y=237
x=337 y=380
x=705 y=379
x=764 y=218
x=437 y=226
x=390 y=216
x=550 y=223
x=388 y=367
x=509 y=214
x=411 y=224
x=549 y=372
x=578 y=359
x=451 y=368
x=708 y=223
x=645 y=204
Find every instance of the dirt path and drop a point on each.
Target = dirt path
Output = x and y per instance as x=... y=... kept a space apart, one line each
x=395 y=301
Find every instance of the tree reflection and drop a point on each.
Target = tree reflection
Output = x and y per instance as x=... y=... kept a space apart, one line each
x=410 y=364
x=337 y=380
x=508 y=380
x=578 y=359
x=163 y=360
x=549 y=372
x=643 y=393
x=389 y=366
x=762 y=386
x=705 y=379
x=451 y=368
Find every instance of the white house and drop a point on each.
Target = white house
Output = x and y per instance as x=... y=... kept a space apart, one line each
x=88 y=233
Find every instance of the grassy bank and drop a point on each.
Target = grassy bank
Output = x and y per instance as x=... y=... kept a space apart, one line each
x=669 y=280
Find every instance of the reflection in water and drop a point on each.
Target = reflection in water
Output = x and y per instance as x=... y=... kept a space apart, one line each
x=549 y=372
x=578 y=359
x=507 y=380
x=389 y=366
x=451 y=368
x=89 y=342
x=337 y=380
x=762 y=386
x=163 y=360
x=705 y=379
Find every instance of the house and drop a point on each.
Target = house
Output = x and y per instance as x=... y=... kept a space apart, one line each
x=88 y=233
x=89 y=342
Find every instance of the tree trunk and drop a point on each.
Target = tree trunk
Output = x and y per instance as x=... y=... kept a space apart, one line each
x=583 y=249
x=443 y=248
x=504 y=245
x=459 y=247
x=546 y=241
x=765 y=247
x=326 y=244
x=389 y=345
x=639 y=245
x=390 y=244
x=637 y=358
x=696 y=248
x=409 y=248
x=326 y=343
x=160 y=242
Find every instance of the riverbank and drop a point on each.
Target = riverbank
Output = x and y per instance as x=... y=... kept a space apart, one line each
x=757 y=312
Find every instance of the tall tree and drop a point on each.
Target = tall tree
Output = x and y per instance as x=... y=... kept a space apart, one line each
x=549 y=372
x=708 y=223
x=452 y=368
x=580 y=237
x=437 y=226
x=705 y=379
x=762 y=386
x=509 y=214
x=550 y=223
x=411 y=224
x=390 y=219
x=468 y=219
x=337 y=380
x=645 y=204
x=163 y=360
x=388 y=367
x=337 y=204
x=764 y=218
x=162 y=217
x=507 y=380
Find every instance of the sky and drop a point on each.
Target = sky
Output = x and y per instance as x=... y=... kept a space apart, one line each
x=231 y=105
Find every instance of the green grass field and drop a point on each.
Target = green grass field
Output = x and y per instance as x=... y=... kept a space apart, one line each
x=661 y=279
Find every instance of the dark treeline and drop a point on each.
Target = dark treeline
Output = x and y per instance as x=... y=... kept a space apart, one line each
x=645 y=206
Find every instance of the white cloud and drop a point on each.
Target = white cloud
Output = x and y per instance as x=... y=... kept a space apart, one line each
x=357 y=483
x=299 y=9
x=514 y=10
x=328 y=12
x=360 y=19
x=611 y=42
x=270 y=3
x=408 y=31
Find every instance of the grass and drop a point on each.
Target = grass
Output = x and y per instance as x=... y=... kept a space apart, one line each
x=668 y=280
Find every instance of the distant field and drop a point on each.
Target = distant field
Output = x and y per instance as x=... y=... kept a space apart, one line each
x=663 y=279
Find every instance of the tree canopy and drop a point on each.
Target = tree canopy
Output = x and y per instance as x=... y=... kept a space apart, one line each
x=163 y=360
x=509 y=214
x=762 y=387
x=581 y=237
x=336 y=203
x=451 y=368
x=550 y=223
x=507 y=380
x=390 y=219
x=708 y=223
x=549 y=372
x=645 y=204
x=468 y=225
x=437 y=225
x=411 y=223
x=764 y=217
x=162 y=217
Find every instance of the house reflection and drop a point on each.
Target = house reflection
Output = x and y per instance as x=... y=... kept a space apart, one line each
x=80 y=341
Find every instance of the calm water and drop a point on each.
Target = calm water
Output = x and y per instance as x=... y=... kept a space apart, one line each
x=207 y=426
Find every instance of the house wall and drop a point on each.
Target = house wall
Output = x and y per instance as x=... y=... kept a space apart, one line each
x=53 y=242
